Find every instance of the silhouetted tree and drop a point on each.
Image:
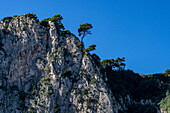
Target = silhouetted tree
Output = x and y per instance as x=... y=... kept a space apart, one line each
x=108 y=64
x=84 y=30
x=119 y=63
x=111 y=63
x=90 y=48
x=56 y=19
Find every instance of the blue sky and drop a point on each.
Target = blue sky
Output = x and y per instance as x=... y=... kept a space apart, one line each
x=138 y=30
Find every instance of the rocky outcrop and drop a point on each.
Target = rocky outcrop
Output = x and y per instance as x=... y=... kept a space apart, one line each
x=46 y=71
x=43 y=71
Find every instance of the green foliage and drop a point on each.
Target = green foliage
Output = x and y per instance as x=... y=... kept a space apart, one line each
x=90 y=48
x=72 y=90
x=88 y=102
x=84 y=30
x=44 y=22
x=93 y=81
x=42 y=89
x=9 y=18
x=66 y=32
x=108 y=63
x=79 y=100
x=165 y=103
x=24 y=28
x=15 y=16
x=49 y=93
x=33 y=92
x=48 y=68
x=163 y=78
x=57 y=20
x=119 y=63
x=6 y=26
x=34 y=86
x=80 y=44
x=32 y=16
x=84 y=92
x=66 y=93
x=126 y=82
x=111 y=63
x=55 y=108
x=45 y=79
x=77 y=91
x=74 y=108
x=66 y=73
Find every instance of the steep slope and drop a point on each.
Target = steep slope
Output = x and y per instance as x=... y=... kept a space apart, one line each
x=43 y=70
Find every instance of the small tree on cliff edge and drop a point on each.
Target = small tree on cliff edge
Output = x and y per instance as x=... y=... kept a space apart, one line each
x=84 y=30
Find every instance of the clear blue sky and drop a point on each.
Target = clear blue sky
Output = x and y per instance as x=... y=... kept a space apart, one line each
x=139 y=30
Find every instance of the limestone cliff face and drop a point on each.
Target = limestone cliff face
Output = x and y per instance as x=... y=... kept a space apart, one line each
x=45 y=71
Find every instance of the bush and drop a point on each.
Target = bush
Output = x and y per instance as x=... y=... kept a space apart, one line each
x=88 y=102
x=66 y=93
x=48 y=68
x=72 y=90
x=49 y=93
x=56 y=110
x=93 y=81
x=33 y=92
x=24 y=28
x=80 y=44
x=90 y=48
x=84 y=30
x=66 y=32
x=79 y=99
x=32 y=16
x=44 y=22
x=6 y=26
x=57 y=20
x=74 y=108
x=9 y=18
x=15 y=16
x=66 y=73
x=165 y=103
x=77 y=91
x=84 y=91
x=55 y=106
x=45 y=79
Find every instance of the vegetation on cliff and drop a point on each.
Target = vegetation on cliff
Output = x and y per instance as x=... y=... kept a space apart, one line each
x=148 y=92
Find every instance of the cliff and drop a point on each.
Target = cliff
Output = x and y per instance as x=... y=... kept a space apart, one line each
x=45 y=70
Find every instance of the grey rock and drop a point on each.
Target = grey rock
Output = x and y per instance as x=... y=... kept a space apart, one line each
x=47 y=72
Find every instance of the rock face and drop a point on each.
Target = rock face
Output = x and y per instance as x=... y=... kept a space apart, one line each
x=46 y=71
x=43 y=70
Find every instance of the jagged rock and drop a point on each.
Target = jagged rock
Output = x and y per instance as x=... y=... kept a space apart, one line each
x=45 y=71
